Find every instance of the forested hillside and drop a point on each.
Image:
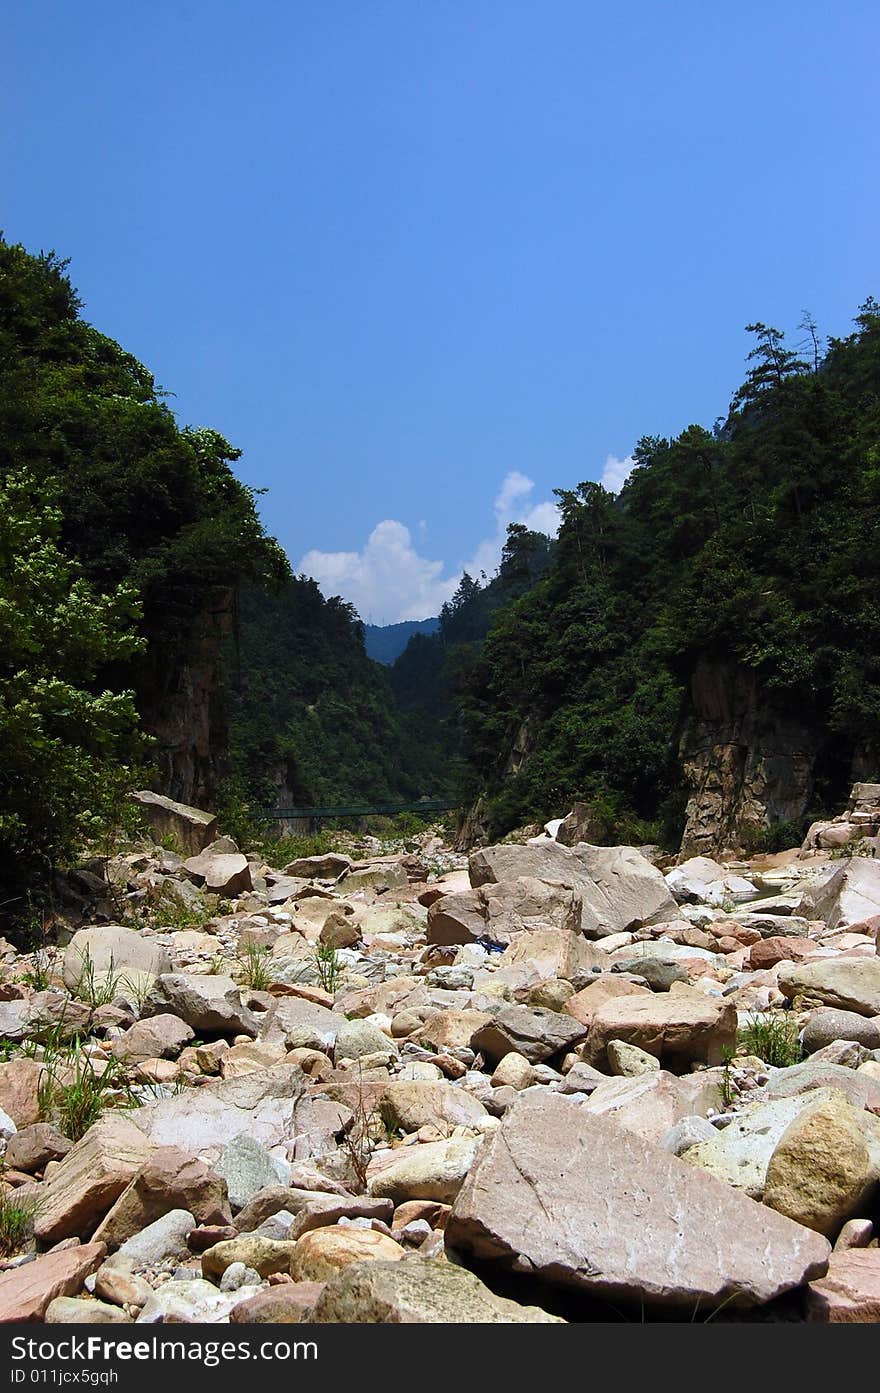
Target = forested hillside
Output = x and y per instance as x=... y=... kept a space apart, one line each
x=313 y=719
x=385 y=642
x=703 y=654
x=123 y=538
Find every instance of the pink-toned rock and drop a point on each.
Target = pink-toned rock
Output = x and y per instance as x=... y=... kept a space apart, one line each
x=680 y=1027
x=90 y=1179
x=650 y=1104
x=643 y=1225
x=19 y=1090
x=287 y=1304
x=170 y=1179
x=850 y=1292
x=770 y=951
x=584 y=1004
x=25 y=1292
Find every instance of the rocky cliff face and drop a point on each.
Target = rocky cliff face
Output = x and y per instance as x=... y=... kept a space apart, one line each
x=747 y=764
x=183 y=706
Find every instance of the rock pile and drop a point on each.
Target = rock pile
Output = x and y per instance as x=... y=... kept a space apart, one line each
x=514 y=1089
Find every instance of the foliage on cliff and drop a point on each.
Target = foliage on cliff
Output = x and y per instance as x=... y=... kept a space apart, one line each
x=119 y=526
x=758 y=542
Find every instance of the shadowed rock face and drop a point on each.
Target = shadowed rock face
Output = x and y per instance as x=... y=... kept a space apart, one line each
x=746 y=764
x=575 y=1200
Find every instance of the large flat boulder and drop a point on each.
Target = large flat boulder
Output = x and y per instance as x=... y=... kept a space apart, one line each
x=203 y=1121
x=851 y=984
x=680 y=1027
x=851 y=895
x=620 y=888
x=193 y=828
x=25 y=1292
x=577 y=1201
x=495 y=912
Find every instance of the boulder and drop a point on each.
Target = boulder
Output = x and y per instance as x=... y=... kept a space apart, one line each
x=190 y=1302
x=619 y=887
x=628 y=1061
x=584 y=823
x=851 y=984
x=861 y=1090
x=419 y=1291
x=25 y=1292
x=405 y=1107
x=77 y=1310
x=162 y=1239
x=264 y=1255
x=380 y=878
x=452 y=1029
x=689 y=881
x=159 y=1037
x=554 y=953
x=531 y=1031
x=111 y=948
x=849 y=1293
x=650 y=1104
x=821 y=1172
x=20 y=1090
x=585 y=1003
x=191 y=827
x=646 y=1227
x=171 y=1179
x=34 y=1146
x=850 y=895
x=204 y=1120
x=357 y=1039
x=680 y=1027
x=227 y=873
x=327 y=867
x=325 y=1210
x=431 y=1171
x=89 y=1180
x=827 y=1024
x=287 y=1304
x=495 y=912
x=740 y=1153
x=321 y=1253
x=210 y=1004
x=301 y=1024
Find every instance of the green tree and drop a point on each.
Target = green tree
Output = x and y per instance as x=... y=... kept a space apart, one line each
x=66 y=743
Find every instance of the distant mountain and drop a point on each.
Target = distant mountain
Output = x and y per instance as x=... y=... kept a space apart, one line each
x=385 y=642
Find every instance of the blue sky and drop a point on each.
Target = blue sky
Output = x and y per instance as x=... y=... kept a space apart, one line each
x=424 y=262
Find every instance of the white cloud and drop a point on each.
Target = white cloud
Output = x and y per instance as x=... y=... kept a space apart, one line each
x=616 y=472
x=389 y=580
